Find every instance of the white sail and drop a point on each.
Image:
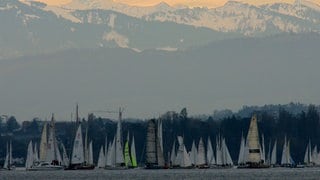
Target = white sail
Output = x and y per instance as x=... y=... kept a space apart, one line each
x=286 y=158
x=50 y=147
x=193 y=154
x=210 y=156
x=86 y=147
x=65 y=158
x=36 y=156
x=90 y=153
x=284 y=152
x=29 y=159
x=53 y=153
x=226 y=154
x=106 y=150
x=253 y=141
x=10 y=154
x=118 y=144
x=183 y=159
x=274 y=154
x=315 y=155
x=180 y=151
x=101 y=159
x=6 y=161
x=173 y=154
x=160 y=156
x=201 y=158
x=262 y=152
x=43 y=143
x=307 y=155
x=218 y=152
x=241 y=159
x=77 y=151
x=57 y=151
x=111 y=160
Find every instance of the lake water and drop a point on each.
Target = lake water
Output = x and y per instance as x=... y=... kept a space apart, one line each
x=272 y=173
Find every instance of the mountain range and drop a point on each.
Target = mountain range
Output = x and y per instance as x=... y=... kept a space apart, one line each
x=30 y=27
x=157 y=58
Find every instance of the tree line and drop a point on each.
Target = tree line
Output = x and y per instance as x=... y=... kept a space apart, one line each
x=298 y=126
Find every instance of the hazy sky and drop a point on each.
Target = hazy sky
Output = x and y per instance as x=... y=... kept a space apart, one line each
x=192 y=3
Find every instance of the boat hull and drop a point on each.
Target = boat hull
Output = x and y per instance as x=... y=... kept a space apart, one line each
x=253 y=166
x=80 y=167
x=45 y=168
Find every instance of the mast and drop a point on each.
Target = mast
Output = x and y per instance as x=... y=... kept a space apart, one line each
x=77 y=114
x=86 y=147
x=118 y=144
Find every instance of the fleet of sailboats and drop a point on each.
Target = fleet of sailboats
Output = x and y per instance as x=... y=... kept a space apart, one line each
x=118 y=155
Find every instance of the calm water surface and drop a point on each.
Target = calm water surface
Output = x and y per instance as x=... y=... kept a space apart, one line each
x=274 y=173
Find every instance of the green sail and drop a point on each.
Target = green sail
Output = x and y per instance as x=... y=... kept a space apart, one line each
x=127 y=159
x=133 y=154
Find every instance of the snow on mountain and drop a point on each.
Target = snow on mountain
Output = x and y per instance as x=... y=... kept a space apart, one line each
x=135 y=11
x=247 y=19
x=242 y=16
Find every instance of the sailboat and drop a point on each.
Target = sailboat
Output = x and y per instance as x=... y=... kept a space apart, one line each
x=273 y=161
x=8 y=161
x=193 y=154
x=255 y=156
x=127 y=158
x=211 y=162
x=286 y=159
x=308 y=156
x=154 y=154
x=30 y=154
x=183 y=159
x=78 y=160
x=116 y=156
x=242 y=159
x=101 y=160
x=133 y=154
x=53 y=157
x=222 y=152
x=173 y=155
x=65 y=158
x=130 y=153
x=201 y=156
